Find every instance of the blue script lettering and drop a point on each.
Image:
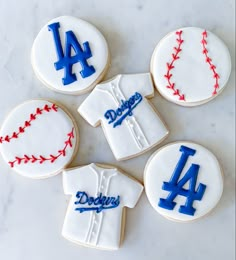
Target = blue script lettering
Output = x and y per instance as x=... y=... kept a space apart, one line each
x=126 y=109
x=97 y=204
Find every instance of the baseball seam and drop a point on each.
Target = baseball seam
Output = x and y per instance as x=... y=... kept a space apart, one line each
x=41 y=159
x=33 y=116
x=170 y=66
x=209 y=61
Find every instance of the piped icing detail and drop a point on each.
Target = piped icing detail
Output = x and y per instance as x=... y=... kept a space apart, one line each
x=38 y=111
x=42 y=159
x=209 y=61
x=175 y=56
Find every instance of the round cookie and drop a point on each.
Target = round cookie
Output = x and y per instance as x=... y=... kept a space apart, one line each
x=70 y=55
x=38 y=139
x=190 y=66
x=183 y=181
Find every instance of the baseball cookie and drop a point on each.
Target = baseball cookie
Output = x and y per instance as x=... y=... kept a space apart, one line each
x=190 y=66
x=130 y=123
x=70 y=55
x=95 y=216
x=38 y=139
x=183 y=181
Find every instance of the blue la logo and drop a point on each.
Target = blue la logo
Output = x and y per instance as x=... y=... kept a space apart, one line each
x=175 y=186
x=65 y=60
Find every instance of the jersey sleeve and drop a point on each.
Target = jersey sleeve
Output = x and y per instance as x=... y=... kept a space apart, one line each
x=90 y=108
x=142 y=83
x=70 y=179
x=66 y=182
x=132 y=191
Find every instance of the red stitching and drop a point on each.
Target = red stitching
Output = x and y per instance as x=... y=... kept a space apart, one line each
x=21 y=129
x=209 y=61
x=170 y=66
x=40 y=158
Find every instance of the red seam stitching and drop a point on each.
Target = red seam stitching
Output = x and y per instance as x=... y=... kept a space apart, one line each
x=27 y=124
x=41 y=159
x=209 y=61
x=170 y=66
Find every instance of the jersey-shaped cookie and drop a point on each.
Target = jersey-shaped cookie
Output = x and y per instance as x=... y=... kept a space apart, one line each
x=183 y=181
x=190 y=66
x=38 y=139
x=70 y=55
x=95 y=213
x=130 y=123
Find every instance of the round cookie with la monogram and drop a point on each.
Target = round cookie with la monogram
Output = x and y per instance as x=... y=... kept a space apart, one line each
x=70 y=55
x=183 y=181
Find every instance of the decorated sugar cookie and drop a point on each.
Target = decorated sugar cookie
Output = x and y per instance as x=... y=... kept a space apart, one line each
x=130 y=123
x=38 y=139
x=70 y=55
x=190 y=66
x=183 y=181
x=99 y=195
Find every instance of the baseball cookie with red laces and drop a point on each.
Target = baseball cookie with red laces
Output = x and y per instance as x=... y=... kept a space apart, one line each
x=190 y=66
x=38 y=139
x=70 y=55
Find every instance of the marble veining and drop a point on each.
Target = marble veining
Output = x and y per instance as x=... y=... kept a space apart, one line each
x=32 y=211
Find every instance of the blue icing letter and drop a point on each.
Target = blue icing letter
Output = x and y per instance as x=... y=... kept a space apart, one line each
x=126 y=109
x=82 y=198
x=110 y=115
x=175 y=186
x=65 y=60
x=97 y=204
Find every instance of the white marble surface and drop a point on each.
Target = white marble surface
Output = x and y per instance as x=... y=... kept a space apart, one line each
x=32 y=212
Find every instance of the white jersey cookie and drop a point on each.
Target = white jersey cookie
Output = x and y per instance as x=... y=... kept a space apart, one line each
x=130 y=123
x=190 y=66
x=38 y=139
x=183 y=181
x=70 y=55
x=95 y=213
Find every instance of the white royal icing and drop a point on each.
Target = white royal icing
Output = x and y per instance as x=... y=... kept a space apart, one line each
x=45 y=55
x=38 y=139
x=102 y=229
x=140 y=130
x=160 y=169
x=192 y=75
